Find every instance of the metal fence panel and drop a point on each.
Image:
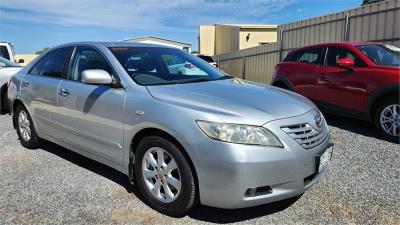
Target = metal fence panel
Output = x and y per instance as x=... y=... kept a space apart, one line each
x=376 y=22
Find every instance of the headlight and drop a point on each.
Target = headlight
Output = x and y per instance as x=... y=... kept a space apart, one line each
x=236 y=133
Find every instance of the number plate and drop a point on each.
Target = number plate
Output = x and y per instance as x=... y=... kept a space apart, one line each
x=325 y=158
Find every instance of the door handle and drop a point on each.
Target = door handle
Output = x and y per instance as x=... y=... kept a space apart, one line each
x=63 y=92
x=25 y=83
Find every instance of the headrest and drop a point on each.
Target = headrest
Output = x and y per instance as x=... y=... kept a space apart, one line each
x=146 y=64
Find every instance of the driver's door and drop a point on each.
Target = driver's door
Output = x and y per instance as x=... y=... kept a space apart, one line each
x=343 y=87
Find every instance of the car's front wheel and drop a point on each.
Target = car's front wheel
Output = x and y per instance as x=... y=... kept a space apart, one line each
x=164 y=176
x=387 y=119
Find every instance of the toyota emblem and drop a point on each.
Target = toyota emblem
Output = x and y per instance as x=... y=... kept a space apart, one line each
x=318 y=121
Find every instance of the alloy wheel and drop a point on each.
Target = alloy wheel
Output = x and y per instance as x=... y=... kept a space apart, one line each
x=161 y=174
x=390 y=119
x=24 y=125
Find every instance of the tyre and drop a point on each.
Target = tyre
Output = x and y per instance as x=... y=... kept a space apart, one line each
x=281 y=85
x=164 y=176
x=25 y=129
x=3 y=101
x=387 y=119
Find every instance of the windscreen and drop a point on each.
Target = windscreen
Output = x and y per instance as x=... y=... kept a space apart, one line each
x=380 y=55
x=162 y=66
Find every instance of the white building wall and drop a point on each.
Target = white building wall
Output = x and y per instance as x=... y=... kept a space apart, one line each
x=163 y=43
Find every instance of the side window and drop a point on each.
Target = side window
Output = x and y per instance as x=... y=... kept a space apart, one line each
x=87 y=58
x=4 y=52
x=291 y=57
x=310 y=56
x=336 y=53
x=53 y=64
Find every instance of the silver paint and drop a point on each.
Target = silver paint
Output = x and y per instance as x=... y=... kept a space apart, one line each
x=100 y=122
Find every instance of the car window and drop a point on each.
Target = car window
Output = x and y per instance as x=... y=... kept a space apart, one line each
x=336 y=53
x=87 y=58
x=4 y=52
x=163 y=66
x=311 y=56
x=179 y=66
x=291 y=57
x=53 y=63
x=206 y=58
x=381 y=55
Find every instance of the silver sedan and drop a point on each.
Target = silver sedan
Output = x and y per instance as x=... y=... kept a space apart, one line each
x=183 y=135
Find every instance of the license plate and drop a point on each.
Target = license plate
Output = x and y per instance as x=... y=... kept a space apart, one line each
x=325 y=158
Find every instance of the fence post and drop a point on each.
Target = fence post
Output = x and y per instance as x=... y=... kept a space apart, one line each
x=346 y=28
x=280 y=44
x=244 y=68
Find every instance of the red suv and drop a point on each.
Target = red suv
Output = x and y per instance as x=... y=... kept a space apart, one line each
x=358 y=79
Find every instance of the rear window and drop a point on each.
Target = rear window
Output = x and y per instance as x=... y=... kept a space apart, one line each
x=309 y=56
x=290 y=57
x=207 y=58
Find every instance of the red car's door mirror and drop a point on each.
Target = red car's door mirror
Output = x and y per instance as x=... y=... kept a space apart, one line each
x=345 y=63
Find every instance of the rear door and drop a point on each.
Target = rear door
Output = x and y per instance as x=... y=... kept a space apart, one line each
x=92 y=115
x=302 y=72
x=39 y=90
x=346 y=88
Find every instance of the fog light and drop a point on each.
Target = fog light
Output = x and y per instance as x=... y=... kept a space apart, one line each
x=258 y=191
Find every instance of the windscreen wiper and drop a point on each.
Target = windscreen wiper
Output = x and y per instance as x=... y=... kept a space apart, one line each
x=193 y=80
x=225 y=77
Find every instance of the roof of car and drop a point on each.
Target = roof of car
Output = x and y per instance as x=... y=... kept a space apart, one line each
x=115 y=44
x=345 y=44
x=353 y=43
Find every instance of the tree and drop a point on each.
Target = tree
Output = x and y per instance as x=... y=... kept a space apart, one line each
x=41 y=51
x=367 y=2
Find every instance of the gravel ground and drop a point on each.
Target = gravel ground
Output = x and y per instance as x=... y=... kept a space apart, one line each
x=52 y=185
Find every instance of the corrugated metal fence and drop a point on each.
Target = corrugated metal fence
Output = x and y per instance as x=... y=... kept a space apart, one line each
x=26 y=57
x=378 y=22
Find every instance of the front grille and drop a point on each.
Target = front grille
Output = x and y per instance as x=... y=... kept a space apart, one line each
x=306 y=135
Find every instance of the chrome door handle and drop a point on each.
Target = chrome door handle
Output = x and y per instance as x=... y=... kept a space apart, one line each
x=25 y=83
x=63 y=92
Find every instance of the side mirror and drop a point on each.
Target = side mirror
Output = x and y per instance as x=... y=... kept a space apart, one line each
x=345 y=63
x=96 y=77
x=20 y=61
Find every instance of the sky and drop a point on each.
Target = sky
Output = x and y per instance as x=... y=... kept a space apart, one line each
x=34 y=24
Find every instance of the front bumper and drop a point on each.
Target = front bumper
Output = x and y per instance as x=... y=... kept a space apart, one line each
x=228 y=171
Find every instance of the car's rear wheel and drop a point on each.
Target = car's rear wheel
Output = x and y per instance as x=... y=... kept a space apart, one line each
x=387 y=119
x=26 y=131
x=164 y=176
